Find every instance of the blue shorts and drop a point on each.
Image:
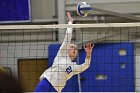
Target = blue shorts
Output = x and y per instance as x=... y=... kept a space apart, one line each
x=44 y=86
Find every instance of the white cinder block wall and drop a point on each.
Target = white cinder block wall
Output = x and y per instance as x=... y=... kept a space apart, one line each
x=11 y=52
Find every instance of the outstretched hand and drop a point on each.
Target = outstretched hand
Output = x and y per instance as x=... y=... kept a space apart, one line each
x=69 y=16
x=88 y=49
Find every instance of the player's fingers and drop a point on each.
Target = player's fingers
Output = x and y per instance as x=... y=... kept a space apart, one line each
x=93 y=45
x=68 y=13
x=84 y=46
x=90 y=45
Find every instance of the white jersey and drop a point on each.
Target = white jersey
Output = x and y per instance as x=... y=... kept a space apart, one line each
x=62 y=68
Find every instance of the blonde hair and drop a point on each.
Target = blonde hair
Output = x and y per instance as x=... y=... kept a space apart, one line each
x=73 y=45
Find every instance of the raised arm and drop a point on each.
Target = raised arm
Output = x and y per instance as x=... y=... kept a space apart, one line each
x=68 y=36
x=80 y=68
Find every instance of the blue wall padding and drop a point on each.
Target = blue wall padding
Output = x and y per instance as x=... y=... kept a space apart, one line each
x=14 y=10
x=107 y=61
x=72 y=84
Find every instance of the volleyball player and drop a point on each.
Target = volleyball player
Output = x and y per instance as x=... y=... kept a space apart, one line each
x=54 y=79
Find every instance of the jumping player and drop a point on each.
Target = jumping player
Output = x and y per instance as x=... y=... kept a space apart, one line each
x=54 y=79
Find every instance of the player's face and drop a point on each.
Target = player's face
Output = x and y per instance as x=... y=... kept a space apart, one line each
x=73 y=51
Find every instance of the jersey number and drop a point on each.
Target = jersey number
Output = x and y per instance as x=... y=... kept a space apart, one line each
x=69 y=70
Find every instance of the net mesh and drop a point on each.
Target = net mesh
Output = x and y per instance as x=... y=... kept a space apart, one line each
x=24 y=52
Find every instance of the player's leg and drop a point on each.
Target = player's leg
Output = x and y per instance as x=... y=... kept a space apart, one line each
x=44 y=86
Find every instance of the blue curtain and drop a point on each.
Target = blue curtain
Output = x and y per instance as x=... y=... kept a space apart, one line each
x=107 y=61
x=14 y=10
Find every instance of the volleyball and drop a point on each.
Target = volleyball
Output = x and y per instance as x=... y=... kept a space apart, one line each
x=83 y=9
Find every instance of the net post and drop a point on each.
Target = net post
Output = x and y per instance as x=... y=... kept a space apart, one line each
x=61 y=18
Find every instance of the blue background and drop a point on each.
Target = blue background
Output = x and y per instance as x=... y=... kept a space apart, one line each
x=105 y=61
x=14 y=10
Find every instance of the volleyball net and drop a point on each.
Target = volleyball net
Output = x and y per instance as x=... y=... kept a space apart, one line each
x=25 y=52
x=94 y=31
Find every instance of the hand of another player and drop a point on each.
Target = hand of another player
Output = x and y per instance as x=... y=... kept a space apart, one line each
x=69 y=16
x=88 y=49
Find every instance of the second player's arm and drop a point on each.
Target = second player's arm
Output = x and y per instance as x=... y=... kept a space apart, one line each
x=80 y=68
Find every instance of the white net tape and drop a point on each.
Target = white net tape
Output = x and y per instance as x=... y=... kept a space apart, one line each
x=70 y=25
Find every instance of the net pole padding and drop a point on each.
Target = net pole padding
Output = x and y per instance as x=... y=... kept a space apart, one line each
x=97 y=25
